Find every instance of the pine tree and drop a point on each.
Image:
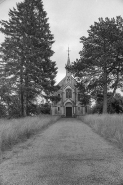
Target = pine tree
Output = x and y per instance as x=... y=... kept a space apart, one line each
x=100 y=67
x=26 y=51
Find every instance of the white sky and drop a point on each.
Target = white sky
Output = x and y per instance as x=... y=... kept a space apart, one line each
x=69 y=20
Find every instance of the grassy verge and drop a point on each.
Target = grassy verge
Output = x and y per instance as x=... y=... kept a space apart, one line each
x=108 y=126
x=19 y=130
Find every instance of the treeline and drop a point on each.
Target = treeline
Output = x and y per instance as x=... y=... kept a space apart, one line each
x=99 y=70
x=115 y=106
x=26 y=69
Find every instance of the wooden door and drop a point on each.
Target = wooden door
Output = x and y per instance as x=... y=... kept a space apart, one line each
x=68 y=111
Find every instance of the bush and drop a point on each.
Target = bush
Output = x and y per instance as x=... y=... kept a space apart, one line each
x=45 y=108
x=115 y=105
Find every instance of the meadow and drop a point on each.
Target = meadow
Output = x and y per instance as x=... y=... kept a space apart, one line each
x=14 y=131
x=108 y=126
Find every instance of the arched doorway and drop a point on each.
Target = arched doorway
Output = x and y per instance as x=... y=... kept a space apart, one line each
x=68 y=108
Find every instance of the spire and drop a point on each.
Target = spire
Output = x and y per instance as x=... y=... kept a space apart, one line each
x=68 y=63
x=68 y=60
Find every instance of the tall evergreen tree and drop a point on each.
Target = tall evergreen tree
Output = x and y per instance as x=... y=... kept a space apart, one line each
x=100 y=67
x=26 y=51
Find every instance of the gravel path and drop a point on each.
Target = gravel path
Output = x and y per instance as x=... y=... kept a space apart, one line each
x=67 y=153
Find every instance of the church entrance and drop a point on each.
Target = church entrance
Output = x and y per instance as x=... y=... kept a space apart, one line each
x=68 y=111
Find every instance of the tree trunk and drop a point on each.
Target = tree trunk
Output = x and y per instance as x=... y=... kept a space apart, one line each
x=116 y=82
x=22 y=101
x=105 y=92
x=105 y=100
x=21 y=90
x=26 y=95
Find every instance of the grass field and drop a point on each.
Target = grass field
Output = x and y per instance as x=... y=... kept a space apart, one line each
x=108 y=126
x=17 y=130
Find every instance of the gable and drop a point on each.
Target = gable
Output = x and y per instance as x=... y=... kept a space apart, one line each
x=67 y=80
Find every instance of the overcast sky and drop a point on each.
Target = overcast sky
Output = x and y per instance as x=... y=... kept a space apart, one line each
x=69 y=20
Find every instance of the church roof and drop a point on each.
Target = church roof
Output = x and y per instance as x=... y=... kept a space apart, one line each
x=63 y=82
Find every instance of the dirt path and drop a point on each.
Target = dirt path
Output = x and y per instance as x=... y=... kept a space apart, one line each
x=67 y=153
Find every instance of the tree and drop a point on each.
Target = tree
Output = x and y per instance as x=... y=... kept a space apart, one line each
x=114 y=106
x=100 y=67
x=84 y=97
x=26 y=51
x=45 y=108
x=3 y=112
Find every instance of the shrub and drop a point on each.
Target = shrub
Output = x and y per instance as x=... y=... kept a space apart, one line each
x=45 y=108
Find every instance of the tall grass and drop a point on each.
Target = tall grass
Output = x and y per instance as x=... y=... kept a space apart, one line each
x=108 y=126
x=17 y=130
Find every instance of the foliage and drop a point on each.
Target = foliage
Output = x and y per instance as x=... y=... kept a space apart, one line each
x=3 y=111
x=14 y=109
x=51 y=96
x=84 y=97
x=45 y=108
x=55 y=98
x=114 y=106
x=9 y=101
x=26 y=52
x=100 y=67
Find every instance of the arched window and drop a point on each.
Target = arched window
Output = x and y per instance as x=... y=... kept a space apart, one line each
x=68 y=93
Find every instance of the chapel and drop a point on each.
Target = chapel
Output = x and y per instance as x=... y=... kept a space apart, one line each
x=69 y=104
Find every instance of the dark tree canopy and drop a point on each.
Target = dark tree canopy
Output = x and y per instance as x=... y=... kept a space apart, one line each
x=100 y=67
x=26 y=52
x=113 y=106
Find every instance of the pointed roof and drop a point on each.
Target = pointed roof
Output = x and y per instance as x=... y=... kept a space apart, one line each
x=68 y=64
